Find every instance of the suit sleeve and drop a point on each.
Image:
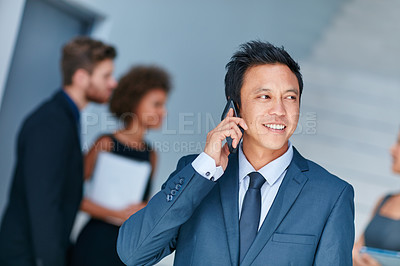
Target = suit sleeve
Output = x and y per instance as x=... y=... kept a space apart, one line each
x=151 y=234
x=45 y=165
x=337 y=239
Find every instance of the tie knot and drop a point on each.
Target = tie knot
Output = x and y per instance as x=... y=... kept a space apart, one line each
x=256 y=180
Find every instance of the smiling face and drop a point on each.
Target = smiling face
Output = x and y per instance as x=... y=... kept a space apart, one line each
x=395 y=152
x=270 y=106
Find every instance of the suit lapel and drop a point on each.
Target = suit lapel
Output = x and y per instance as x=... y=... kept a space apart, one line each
x=229 y=191
x=288 y=192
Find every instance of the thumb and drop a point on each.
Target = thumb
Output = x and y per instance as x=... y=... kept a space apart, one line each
x=225 y=149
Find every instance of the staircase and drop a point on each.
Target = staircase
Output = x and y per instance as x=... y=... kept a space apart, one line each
x=351 y=103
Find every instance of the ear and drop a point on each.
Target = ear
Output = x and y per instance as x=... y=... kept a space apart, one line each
x=81 y=78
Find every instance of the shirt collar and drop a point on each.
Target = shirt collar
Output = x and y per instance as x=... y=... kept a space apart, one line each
x=272 y=171
x=72 y=105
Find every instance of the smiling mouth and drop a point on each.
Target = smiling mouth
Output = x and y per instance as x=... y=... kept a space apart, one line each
x=275 y=126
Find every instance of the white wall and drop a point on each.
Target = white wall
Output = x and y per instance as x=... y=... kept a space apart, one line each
x=352 y=84
x=10 y=18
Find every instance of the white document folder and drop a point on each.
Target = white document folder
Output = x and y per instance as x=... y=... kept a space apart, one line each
x=384 y=257
x=118 y=181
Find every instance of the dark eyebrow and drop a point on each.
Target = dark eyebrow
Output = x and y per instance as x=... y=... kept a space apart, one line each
x=269 y=90
x=294 y=91
x=262 y=90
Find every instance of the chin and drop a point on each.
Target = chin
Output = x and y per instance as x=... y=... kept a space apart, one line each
x=99 y=97
x=274 y=143
x=274 y=146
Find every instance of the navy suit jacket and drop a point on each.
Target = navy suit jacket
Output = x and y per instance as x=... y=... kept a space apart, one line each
x=311 y=221
x=46 y=189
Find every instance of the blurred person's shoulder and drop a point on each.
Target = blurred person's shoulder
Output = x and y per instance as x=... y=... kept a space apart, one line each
x=52 y=115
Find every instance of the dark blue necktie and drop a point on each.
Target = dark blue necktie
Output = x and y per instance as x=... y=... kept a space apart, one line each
x=251 y=209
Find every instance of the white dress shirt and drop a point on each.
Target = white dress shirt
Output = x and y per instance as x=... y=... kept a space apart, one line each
x=273 y=173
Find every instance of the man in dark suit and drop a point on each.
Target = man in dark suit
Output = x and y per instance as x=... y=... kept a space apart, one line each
x=264 y=204
x=47 y=185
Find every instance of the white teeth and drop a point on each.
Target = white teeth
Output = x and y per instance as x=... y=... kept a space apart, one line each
x=275 y=126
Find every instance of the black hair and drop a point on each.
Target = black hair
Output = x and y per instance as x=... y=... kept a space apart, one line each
x=251 y=54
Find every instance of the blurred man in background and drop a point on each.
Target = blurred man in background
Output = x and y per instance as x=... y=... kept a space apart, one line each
x=47 y=185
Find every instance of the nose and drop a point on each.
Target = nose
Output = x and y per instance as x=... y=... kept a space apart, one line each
x=277 y=108
x=113 y=83
x=393 y=150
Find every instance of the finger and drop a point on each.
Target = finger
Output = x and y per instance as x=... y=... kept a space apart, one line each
x=236 y=135
x=229 y=132
x=235 y=138
x=230 y=113
x=356 y=261
x=227 y=129
x=237 y=130
x=369 y=260
x=219 y=136
x=232 y=119
x=243 y=124
x=229 y=119
x=227 y=125
x=225 y=149
x=237 y=120
x=366 y=259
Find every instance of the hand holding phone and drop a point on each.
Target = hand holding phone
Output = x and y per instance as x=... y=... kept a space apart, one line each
x=229 y=127
x=231 y=105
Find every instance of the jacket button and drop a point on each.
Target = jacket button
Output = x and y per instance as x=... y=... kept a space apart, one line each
x=173 y=192
x=169 y=197
x=178 y=186
x=181 y=181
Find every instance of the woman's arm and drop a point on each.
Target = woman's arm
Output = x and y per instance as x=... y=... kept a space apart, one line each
x=117 y=217
x=103 y=144
x=364 y=259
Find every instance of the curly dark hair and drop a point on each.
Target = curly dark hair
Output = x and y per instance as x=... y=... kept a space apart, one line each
x=131 y=88
x=83 y=52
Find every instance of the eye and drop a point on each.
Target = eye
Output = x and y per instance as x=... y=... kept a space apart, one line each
x=158 y=104
x=291 y=97
x=265 y=97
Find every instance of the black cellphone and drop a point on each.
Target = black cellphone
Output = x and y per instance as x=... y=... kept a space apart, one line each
x=231 y=105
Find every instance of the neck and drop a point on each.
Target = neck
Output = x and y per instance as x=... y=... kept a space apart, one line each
x=259 y=156
x=134 y=131
x=77 y=95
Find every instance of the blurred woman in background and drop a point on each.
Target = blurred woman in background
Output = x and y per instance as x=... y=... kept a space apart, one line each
x=139 y=101
x=383 y=231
